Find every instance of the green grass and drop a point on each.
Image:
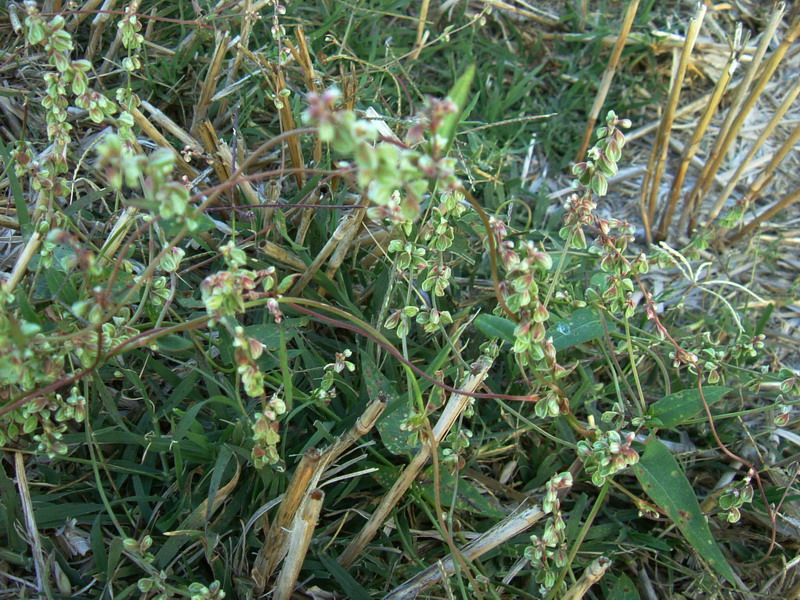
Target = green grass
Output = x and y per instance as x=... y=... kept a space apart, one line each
x=162 y=489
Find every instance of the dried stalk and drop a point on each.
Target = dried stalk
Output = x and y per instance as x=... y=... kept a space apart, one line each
x=338 y=256
x=288 y=124
x=343 y=231
x=303 y=57
x=758 y=89
x=423 y=17
x=455 y=406
x=274 y=547
x=245 y=28
x=37 y=552
x=608 y=77
x=784 y=202
x=307 y=476
x=658 y=158
x=13 y=18
x=299 y=540
x=118 y=232
x=9 y=223
x=506 y=529
x=97 y=29
x=699 y=132
x=765 y=134
x=23 y=260
x=169 y=125
x=763 y=180
x=280 y=254
x=363 y=425
x=154 y=134
x=210 y=80
x=715 y=155
x=532 y=13
x=591 y=575
x=211 y=144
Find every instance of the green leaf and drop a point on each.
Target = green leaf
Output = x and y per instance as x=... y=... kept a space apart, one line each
x=492 y=326
x=174 y=343
x=458 y=94
x=23 y=218
x=268 y=334
x=663 y=480
x=583 y=325
x=394 y=438
x=681 y=406
x=458 y=493
x=350 y=586
x=624 y=589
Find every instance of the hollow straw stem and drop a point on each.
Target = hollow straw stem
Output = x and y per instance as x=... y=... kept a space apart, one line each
x=591 y=575
x=274 y=548
x=658 y=157
x=299 y=539
x=694 y=144
x=703 y=182
x=608 y=77
x=765 y=134
x=453 y=409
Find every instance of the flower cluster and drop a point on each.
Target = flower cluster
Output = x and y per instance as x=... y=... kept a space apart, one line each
x=384 y=167
x=548 y=552
x=224 y=292
x=70 y=76
x=734 y=497
x=266 y=433
x=607 y=455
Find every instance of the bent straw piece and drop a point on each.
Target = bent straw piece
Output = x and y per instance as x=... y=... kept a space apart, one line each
x=455 y=406
x=655 y=167
x=511 y=526
x=608 y=77
x=341 y=232
x=338 y=256
x=169 y=125
x=299 y=541
x=155 y=135
x=768 y=130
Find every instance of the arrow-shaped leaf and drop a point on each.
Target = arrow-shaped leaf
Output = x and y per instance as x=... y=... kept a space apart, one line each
x=663 y=480
x=681 y=406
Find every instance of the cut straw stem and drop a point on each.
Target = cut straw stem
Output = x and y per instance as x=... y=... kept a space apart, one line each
x=455 y=406
x=694 y=144
x=715 y=155
x=608 y=77
x=299 y=540
x=274 y=548
x=658 y=157
x=769 y=70
x=765 y=134
x=591 y=575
